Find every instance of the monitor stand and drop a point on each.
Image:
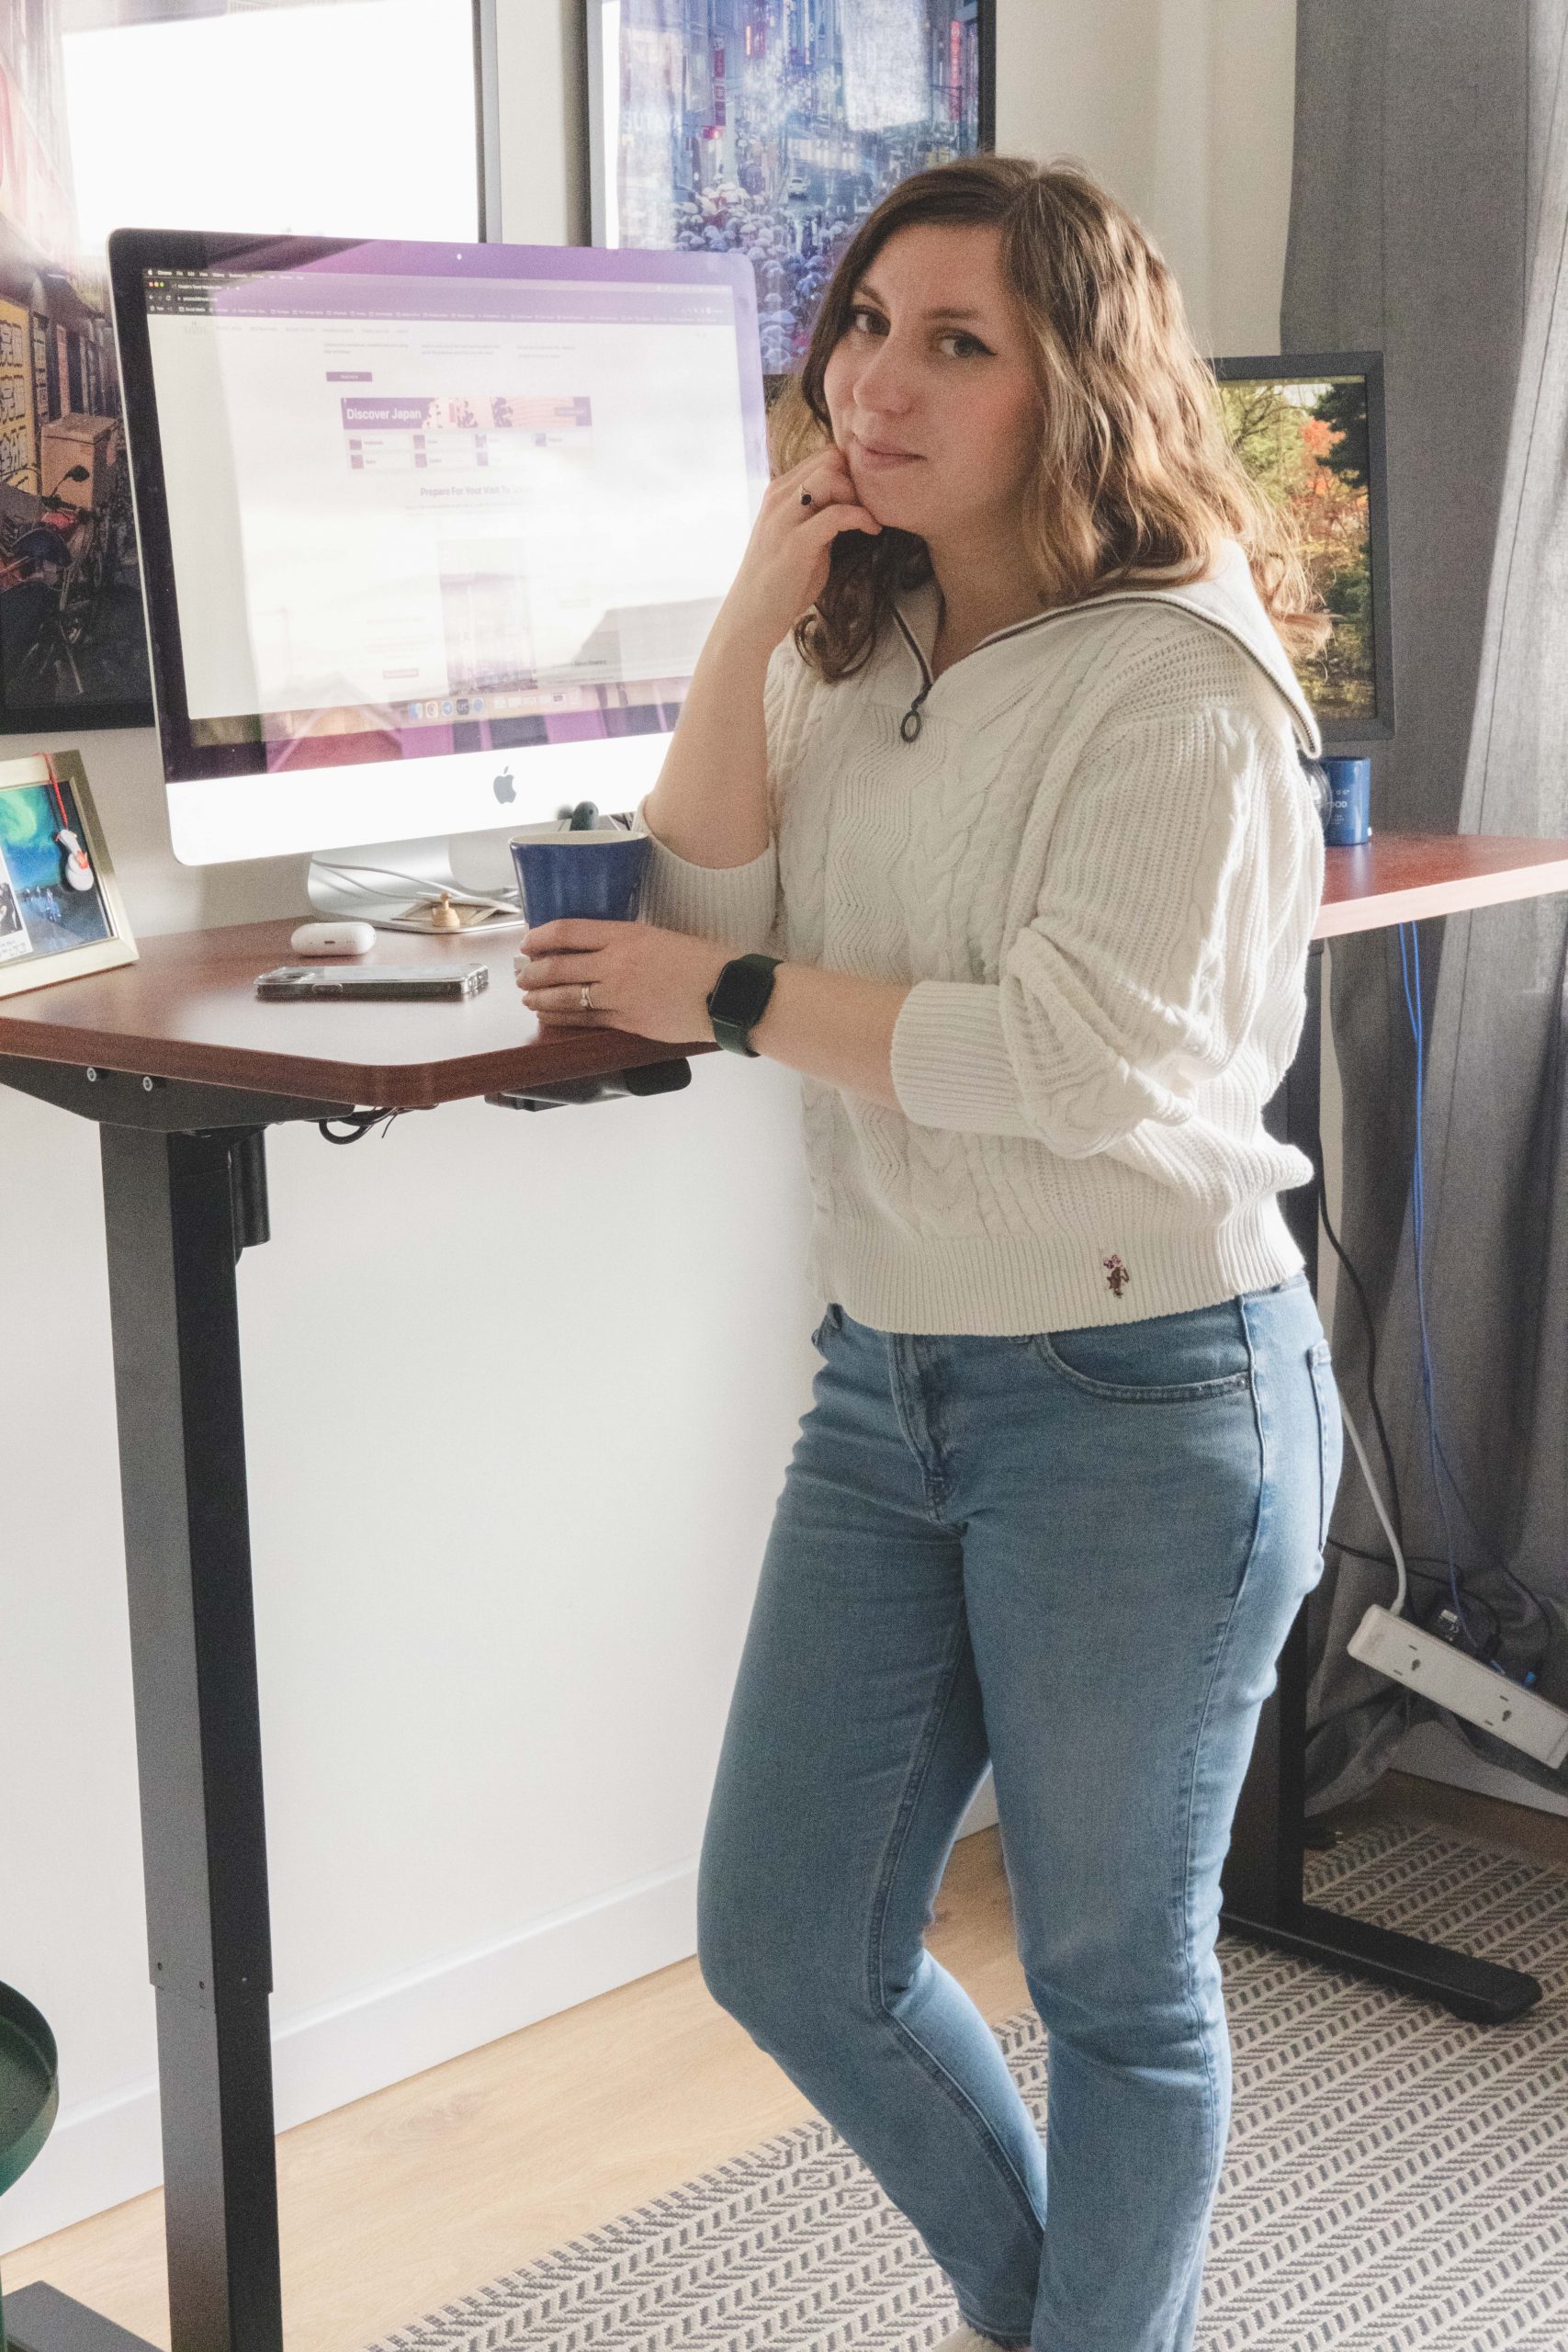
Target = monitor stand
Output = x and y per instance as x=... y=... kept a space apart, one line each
x=444 y=883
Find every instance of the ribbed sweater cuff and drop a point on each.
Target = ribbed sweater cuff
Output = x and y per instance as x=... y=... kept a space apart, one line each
x=950 y=1063
x=737 y=904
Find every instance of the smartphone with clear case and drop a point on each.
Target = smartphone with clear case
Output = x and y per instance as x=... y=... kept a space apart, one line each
x=307 y=983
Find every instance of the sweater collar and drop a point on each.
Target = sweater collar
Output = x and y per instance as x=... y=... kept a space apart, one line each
x=1227 y=598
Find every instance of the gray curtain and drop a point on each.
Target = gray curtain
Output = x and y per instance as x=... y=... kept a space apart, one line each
x=1429 y=220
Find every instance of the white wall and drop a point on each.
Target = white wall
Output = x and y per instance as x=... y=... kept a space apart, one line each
x=503 y=1568
x=1185 y=108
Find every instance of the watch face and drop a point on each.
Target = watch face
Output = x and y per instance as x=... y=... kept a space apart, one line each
x=741 y=992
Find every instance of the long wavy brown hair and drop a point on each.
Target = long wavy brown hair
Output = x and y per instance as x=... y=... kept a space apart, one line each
x=1133 y=472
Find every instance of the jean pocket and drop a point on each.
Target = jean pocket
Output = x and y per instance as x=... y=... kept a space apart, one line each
x=1163 y=1360
x=1330 y=1434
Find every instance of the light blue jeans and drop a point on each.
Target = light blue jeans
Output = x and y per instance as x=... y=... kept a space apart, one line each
x=1075 y=1556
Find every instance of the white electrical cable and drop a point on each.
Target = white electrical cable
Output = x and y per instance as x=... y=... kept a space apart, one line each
x=1400 y=1596
x=421 y=883
x=511 y=906
x=510 y=912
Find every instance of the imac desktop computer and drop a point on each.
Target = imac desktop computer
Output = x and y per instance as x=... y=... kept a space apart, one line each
x=430 y=536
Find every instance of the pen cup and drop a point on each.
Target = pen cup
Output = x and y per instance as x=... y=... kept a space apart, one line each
x=597 y=874
x=1348 y=820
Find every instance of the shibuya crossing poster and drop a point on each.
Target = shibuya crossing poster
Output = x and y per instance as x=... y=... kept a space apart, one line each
x=771 y=128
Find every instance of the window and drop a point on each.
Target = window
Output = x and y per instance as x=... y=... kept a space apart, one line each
x=337 y=117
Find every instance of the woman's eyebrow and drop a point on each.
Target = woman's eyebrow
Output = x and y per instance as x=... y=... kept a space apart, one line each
x=871 y=295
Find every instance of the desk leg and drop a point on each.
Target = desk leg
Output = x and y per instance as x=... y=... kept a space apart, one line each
x=1263 y=1868
x=177 y=1208
x=1263 y=1898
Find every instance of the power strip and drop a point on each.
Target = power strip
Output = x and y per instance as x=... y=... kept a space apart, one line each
x=1407 y=1654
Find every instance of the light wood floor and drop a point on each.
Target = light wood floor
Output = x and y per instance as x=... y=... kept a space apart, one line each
x=402 y=2201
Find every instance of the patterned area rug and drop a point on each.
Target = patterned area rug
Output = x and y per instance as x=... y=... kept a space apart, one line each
x=1396 y=2177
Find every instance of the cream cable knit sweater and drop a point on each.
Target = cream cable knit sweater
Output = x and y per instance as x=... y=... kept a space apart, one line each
x=1098 y=864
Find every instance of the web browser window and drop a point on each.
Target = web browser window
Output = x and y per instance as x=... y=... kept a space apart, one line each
x=397 y=504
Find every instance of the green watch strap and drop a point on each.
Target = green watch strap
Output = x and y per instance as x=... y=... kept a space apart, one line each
x=738 y=998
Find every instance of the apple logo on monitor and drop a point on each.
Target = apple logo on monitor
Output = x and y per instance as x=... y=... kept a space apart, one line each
x=504 y=788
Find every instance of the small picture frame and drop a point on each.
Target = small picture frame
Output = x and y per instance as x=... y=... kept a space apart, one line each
x=61 y=915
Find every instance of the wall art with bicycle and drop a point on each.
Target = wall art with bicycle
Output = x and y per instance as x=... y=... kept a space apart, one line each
x=73 y=644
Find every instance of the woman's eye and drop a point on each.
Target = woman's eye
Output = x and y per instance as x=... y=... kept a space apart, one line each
x=961 y=345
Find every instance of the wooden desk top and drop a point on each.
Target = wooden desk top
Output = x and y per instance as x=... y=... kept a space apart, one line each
x=1400 y=878
x=187 y=1010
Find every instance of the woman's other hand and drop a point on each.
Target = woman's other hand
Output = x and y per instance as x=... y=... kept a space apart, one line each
x=651 y=983
x=784 y=568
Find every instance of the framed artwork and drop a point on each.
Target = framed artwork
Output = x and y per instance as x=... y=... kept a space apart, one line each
x=60 y=912
x=113 y=111
x=772 y=127
x=1309 y=429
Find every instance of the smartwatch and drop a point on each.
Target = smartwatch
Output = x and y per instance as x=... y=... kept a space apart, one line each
x=738 y=998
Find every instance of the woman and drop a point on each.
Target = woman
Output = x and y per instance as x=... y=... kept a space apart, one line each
x=995 y=741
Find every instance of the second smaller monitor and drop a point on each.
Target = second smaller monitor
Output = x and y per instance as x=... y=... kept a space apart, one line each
x=1309 y=429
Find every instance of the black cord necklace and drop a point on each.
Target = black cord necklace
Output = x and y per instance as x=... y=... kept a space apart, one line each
x=913 y=719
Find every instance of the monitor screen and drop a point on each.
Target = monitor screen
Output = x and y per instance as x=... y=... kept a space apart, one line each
x=430 y=536
x=1309 y=430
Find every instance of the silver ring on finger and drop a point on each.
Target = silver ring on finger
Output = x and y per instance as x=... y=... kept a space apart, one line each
x=587 y=999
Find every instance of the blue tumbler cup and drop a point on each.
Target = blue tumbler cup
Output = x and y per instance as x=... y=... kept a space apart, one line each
x=590 y=872
x=1350 y=807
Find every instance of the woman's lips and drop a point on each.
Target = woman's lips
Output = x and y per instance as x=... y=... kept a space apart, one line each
x=884 y=460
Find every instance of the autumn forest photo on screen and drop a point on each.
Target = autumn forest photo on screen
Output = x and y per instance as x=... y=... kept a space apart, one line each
x=1305 y=445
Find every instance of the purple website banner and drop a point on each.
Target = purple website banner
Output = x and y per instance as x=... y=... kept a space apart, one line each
x=387 y=415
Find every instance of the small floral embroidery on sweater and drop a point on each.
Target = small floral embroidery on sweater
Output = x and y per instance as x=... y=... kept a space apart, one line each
x=1116 y=1275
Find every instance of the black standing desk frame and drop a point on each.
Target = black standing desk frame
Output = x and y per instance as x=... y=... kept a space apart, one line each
x=182 y=1199
x=185 y=1191
x=1263 y=1895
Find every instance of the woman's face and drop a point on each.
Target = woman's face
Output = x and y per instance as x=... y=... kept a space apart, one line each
x=930 y=391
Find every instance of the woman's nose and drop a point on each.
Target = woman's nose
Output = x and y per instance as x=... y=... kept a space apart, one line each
x=883 y=381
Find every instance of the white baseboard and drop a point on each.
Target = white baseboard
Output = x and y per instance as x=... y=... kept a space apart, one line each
x=1433 y=1752
x=982 y=1812
x=103 y=2150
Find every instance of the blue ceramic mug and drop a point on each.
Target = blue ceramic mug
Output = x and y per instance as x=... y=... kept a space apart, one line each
x=596 y=872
